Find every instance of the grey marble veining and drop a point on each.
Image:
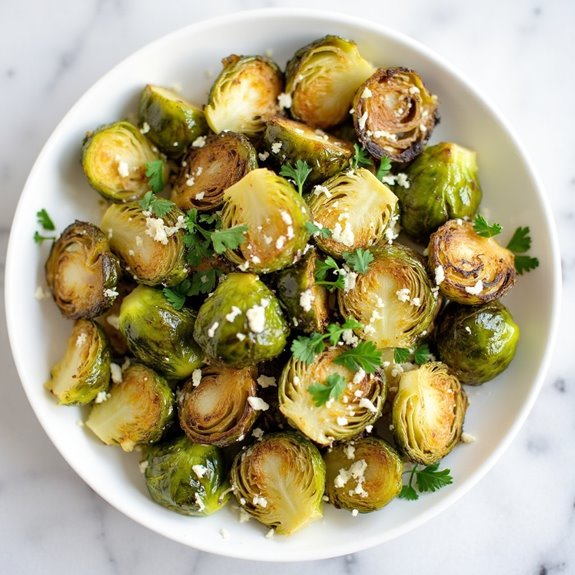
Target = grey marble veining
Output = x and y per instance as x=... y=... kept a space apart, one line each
x=520 y=519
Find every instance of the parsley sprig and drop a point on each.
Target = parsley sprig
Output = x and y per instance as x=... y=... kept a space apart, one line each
x=314 y=229
x=425 y=480
x=201 y=282
x=155 y=174
x=360 y=157
x=331 y=389
x=358 y=260
x=298 y=173
x=47 y=225
x=421 y=354
x=384 y=168
x=330 y=274
x=483 y=228
x=159 y=207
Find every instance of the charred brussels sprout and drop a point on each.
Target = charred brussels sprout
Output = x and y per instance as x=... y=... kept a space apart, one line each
x=186 y=477
x=152 y=248
x=115 y=159
x=159 y=335
x=208 y=171
x=84 y=371
x=394 y=299
x=276 y=217
x=356 y=207
x=322 y=78
x=136 y=410
x=288 y=141
x=358 y=405
x=470 y=268
x=476 y=342
x=444 y=185
x=81 y=271
x=280 y=481
x=394 y=114
x=241 y=323
x=169 y=120
x=428 y=413
x=363 y=474
x=213 y=407
x=244 y=95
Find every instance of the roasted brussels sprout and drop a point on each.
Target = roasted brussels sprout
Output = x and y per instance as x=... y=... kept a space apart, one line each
x=84 y=371
x=115 y=159
x=287 y=141
x=244 y=95
x=394 y=299
x=394 y=114
x=428 y=413
x=469 y=268
x=81 y=271
x=280 y=481
x=207 y=171
x=169 y=121
x=152 y=248
x=186 y=477
x=136 y=411
x=363 y=474
x=322 y=78
x=241 y=323
x=476 y=342
x=214 y=405
x=306 y=302
x=443 y=185
x=159 y=335
x=358 y=405
x=276 y=216
x=356 y=207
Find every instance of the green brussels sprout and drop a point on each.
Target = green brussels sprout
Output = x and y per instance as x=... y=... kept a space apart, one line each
x=394 y=114
x=207 y=171
x=363 y=474
x=469 y=268
x=306 y=302
x=343 y=416
x=443 y=185
x=136 y=410
x=244 y=95
x=169 y=121
x=214 y=405
x=428 y=413
x=81 y=271
x=152 y=249
x=357 y=208
x=476 y=342
x=241 y=323
x=322 y=78
x=287 y=141
x=276 y=217
x=115 y=159
x=186 y=477
x=159 y=335
x=280 y=481
x=394 y=299
x=84 y=371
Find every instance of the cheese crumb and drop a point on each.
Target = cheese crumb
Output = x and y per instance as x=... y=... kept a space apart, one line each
x=342 y=421
x=403 y=295
x=354 y=512
x=258 y=433
x=212 y=330
x=366 y=93
x=265 y=381
x=111 y=293
x=241 y=336
x=362 y=121
x=349 y=451
x=257 y=403
x=101 y=397
x=143 y=465
x=276 y=147
x=284 y=100
x=123 y=168
x=236 y=311
x=224 y=533
x=343 y=235
x=41 y=294
x=270 y=534
x=145 y=128
x=306 y=298
x=358 y=377
x=259 y=500
x=439 y=275
x=476 y=289
x=263 y=156
x=364 y=402
x=116 y=372
x=196 y=377
x=114 y=321
x=257 y=317
x=199 y=142
x=468 y=438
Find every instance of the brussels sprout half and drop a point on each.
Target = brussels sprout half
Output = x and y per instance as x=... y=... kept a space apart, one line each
x=394 y=299
x=136 y=411
x=159 y=335
x=428 y=413
x=244 y=95
x=84 y=371
x=476 y=342
x=81 y=271
x=322 y=78
x=207 y=171
x=469 y=268
x=280 y=481
x=394 y=114
x=363 y=474
x=186 y=477
x=115 y=159
x=276 y=217
x=356 y=207
x=241 y=323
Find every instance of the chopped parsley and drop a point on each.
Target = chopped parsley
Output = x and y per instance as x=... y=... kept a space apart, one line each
x=159 y=207
x=425 y=480
x=298 y=173
x=155 y=174
x=333 y=388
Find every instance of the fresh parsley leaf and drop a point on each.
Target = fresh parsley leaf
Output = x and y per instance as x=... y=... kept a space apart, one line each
x=360 y=157
x=155 y=175
x=408 y=492
x=200 y=282
x=306 y=348
x=314 y=229
x=198 y=249
x=45 y=221
x=428 y=479
x=297 y=173
x=525 y=264
x=40 y=239
x=483 y=228
x=331 y=389
x=358 y=260
x=520 y=241
x=229 y=239
x=384 y=168
x=158 y=206
x=329 y=267
x=364 y=356
x=401 y=354
x=422 y=354
x=176 y=295
x=335 y=331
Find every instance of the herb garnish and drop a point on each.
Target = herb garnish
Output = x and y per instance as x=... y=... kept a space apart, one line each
x=421 y=354
x=155 y=175
x=160 y=207
x=360 y=157
x=331 y=389
x=297 y=173
x=46 y=223
x=428 y=479
x=384 y=168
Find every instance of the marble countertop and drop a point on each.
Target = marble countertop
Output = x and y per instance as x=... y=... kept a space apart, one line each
x=520 y=519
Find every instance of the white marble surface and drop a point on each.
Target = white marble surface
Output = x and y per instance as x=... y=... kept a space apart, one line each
x=520 y=519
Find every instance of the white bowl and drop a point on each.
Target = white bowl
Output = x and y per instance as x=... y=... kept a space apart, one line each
x=512 y=195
